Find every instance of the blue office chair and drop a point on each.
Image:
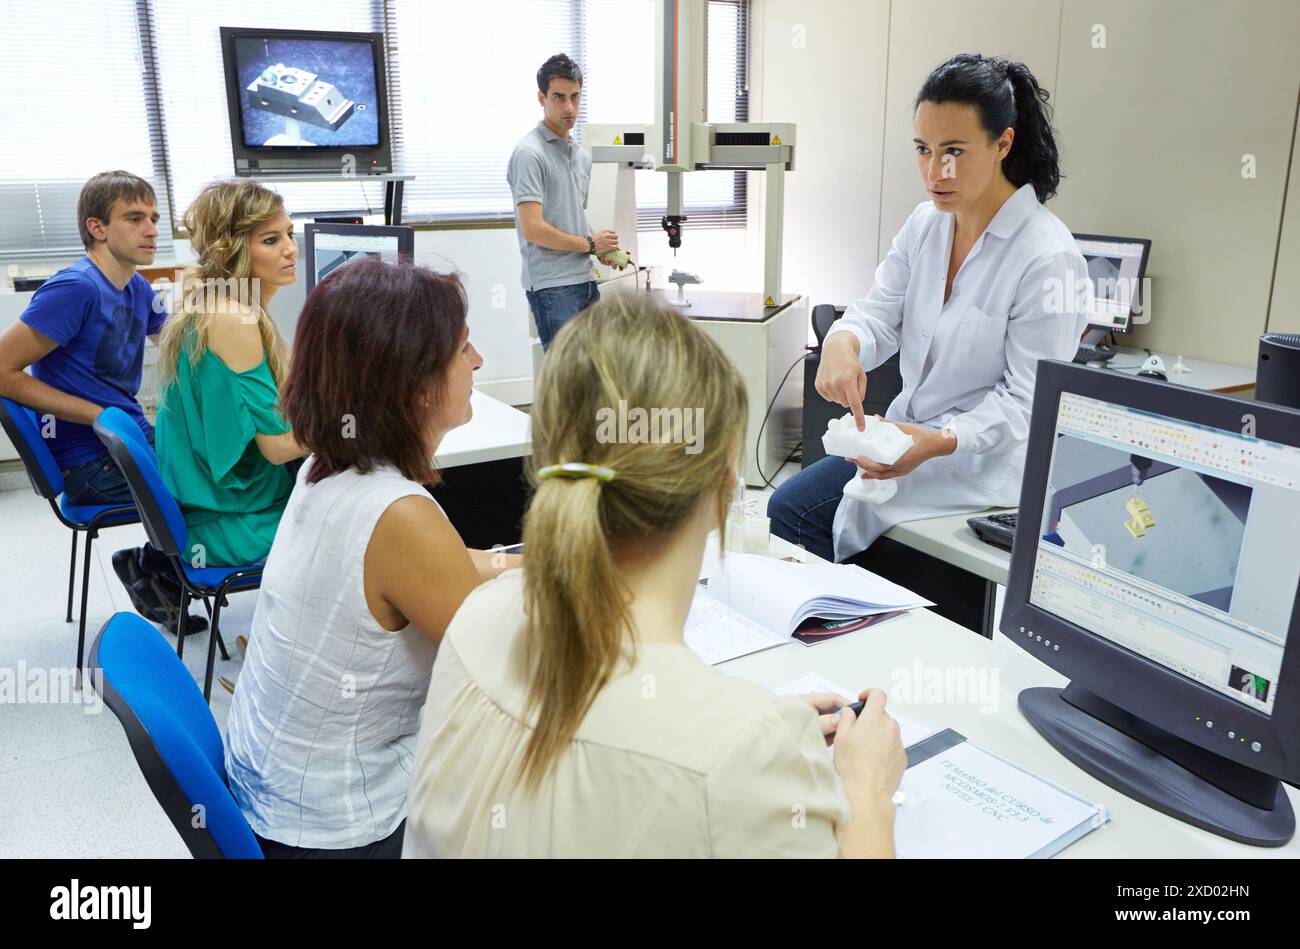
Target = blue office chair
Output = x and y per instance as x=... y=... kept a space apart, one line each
x=173 y=736
x=19 y=423
x=162 y=520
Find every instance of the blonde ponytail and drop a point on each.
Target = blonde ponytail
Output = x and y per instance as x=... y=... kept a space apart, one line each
x=622 y=352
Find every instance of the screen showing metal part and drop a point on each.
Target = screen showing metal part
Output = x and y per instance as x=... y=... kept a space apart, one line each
x=307 y=92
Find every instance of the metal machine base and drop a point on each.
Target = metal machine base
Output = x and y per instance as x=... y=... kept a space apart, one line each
x=1099 y=738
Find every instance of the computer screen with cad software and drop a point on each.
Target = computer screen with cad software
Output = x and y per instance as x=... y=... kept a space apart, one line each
x=1115 y=269
x=1173 y=540
x=307 y=92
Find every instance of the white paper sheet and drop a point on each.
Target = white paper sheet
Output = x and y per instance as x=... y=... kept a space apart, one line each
x=716 y=633
x=911 y=731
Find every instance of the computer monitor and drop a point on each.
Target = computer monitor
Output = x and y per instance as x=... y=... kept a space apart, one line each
x=1116 y=267
x=1156 y=566
x=306 y=101
x=330 y=246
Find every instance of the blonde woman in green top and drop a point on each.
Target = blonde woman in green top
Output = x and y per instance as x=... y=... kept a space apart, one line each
x=221 y=441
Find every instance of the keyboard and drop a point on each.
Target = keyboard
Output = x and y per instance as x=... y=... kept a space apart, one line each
x=996 y=529
x=1093 y=354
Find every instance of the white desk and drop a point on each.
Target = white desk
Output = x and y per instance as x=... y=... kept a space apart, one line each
x=950 y=540
x=1205 y=375
x=878 y=656
x=495 y=431
x=946 y=563
x=483 y=491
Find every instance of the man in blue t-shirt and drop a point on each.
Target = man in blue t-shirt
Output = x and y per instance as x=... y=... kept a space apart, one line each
x=83 y=338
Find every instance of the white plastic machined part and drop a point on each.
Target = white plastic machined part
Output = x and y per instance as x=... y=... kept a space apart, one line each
x=882 y=442
x=870 y=490
x=879 y=441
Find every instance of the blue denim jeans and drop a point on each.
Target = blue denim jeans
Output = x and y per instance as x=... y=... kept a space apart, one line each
x=802 y=509
x=555 y=306
x=97 y=482
x=100 y=481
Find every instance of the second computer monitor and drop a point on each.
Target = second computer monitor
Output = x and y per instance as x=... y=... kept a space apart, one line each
x=1116 y=267
x=331 y=246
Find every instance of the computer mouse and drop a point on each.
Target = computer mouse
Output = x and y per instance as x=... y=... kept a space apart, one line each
x=1154 y=368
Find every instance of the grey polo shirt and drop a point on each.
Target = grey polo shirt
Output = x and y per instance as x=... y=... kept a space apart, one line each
x=557 y=173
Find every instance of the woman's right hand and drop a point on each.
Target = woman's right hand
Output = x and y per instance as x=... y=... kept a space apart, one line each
x=840 y=378
x=869 y=753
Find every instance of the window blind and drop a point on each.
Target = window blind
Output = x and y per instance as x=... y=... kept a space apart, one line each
x=84 y=104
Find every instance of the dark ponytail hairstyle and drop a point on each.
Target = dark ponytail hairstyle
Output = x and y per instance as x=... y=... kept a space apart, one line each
x=1007 y=95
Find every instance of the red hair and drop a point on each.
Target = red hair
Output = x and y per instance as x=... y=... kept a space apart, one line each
x=371 y=338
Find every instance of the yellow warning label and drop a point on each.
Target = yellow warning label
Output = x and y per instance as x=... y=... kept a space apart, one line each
x=618 y=139
x=776 y=139
x=769 y=302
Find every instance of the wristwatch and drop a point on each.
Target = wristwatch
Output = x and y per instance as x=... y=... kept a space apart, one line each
x=591 y=246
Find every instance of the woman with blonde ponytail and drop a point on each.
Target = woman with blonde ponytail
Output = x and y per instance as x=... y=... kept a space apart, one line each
x=565 y=716
x=222 y=443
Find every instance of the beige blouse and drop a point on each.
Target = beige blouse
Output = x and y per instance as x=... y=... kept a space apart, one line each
x=674 y=759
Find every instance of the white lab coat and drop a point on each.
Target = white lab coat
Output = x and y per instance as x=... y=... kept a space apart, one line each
x=967 y=364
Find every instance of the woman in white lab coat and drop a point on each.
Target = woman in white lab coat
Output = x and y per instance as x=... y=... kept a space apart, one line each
x=981 y=282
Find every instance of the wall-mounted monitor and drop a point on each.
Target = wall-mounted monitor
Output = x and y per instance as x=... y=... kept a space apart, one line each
x=306 y=102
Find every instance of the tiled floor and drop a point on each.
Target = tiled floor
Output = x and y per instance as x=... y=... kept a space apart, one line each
x=69 y=786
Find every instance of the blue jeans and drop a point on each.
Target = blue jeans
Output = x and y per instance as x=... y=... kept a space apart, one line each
x=802 y=509
x=99 y=481
x=555 y=306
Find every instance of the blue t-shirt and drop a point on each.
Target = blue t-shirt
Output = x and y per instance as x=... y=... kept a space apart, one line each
x=100 y=332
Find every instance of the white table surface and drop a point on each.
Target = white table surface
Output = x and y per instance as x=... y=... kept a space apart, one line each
x=495 y=431
x=880 y=655
x=1204 y=374
x=952 y=541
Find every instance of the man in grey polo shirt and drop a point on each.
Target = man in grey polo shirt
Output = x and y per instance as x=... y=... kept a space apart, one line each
x=549 y=175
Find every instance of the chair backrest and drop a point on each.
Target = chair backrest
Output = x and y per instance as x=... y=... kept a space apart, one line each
x=172 y=734
x=159 y=512
x=824 y=316
x=19 y=423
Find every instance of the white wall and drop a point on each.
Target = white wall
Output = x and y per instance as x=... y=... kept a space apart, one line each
x=925 y=33
x=822 y=65
x=1153 y=129
x=1156 y=125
